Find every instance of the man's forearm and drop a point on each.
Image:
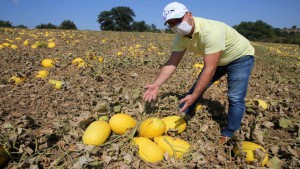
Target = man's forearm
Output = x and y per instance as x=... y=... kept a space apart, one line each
x=169 y=68
x=211 y=64
x=203 y=81
x=164 y=74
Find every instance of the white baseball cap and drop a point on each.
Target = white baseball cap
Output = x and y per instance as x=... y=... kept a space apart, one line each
x=174 y=10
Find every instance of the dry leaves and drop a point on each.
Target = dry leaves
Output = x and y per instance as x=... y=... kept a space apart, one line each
x=43 y=126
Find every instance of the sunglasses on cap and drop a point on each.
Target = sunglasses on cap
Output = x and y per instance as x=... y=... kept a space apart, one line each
x=173 y=22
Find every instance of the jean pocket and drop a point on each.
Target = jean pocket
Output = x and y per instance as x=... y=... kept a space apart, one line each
x=246 y=60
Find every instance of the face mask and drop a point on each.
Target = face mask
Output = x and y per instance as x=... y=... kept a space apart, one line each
x=182 y=29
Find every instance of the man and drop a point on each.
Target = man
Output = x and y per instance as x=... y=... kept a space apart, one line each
x=224 y=51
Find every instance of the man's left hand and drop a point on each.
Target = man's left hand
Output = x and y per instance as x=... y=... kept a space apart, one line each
x=188 y=101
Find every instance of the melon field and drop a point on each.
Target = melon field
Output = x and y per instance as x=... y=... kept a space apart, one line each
x=43 y=117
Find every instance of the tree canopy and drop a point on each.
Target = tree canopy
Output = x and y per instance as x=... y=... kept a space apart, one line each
x=46 y=26
x=257 y=31
x=68 y=24
x=117 y=19
x=261 y=31
x=5 y=24
x=121 y=18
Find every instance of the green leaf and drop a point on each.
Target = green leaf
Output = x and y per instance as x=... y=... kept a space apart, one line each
x=284 y=123
x=8 y=125
x=274 y=163
x=117 y=108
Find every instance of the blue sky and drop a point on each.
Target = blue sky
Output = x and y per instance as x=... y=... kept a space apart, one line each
x=277 y=13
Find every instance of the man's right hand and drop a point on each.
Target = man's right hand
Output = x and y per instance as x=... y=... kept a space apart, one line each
x=151 y=92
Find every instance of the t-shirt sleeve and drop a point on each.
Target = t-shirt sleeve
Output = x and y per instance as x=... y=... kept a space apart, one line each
x=214 y=41
x=178 y=45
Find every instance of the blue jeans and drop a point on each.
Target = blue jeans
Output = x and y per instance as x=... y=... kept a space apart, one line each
x=238 y=73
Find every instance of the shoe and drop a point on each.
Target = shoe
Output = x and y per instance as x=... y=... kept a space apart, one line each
x=223 y=140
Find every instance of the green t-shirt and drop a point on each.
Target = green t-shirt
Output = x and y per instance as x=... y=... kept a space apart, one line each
x=212 y=36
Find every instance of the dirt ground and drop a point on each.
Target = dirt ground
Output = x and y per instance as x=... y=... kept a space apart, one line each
x=42 y=126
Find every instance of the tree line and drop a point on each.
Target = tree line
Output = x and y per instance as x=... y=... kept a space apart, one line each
x=263 y=32
x=121 y=18
x=66 y=24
